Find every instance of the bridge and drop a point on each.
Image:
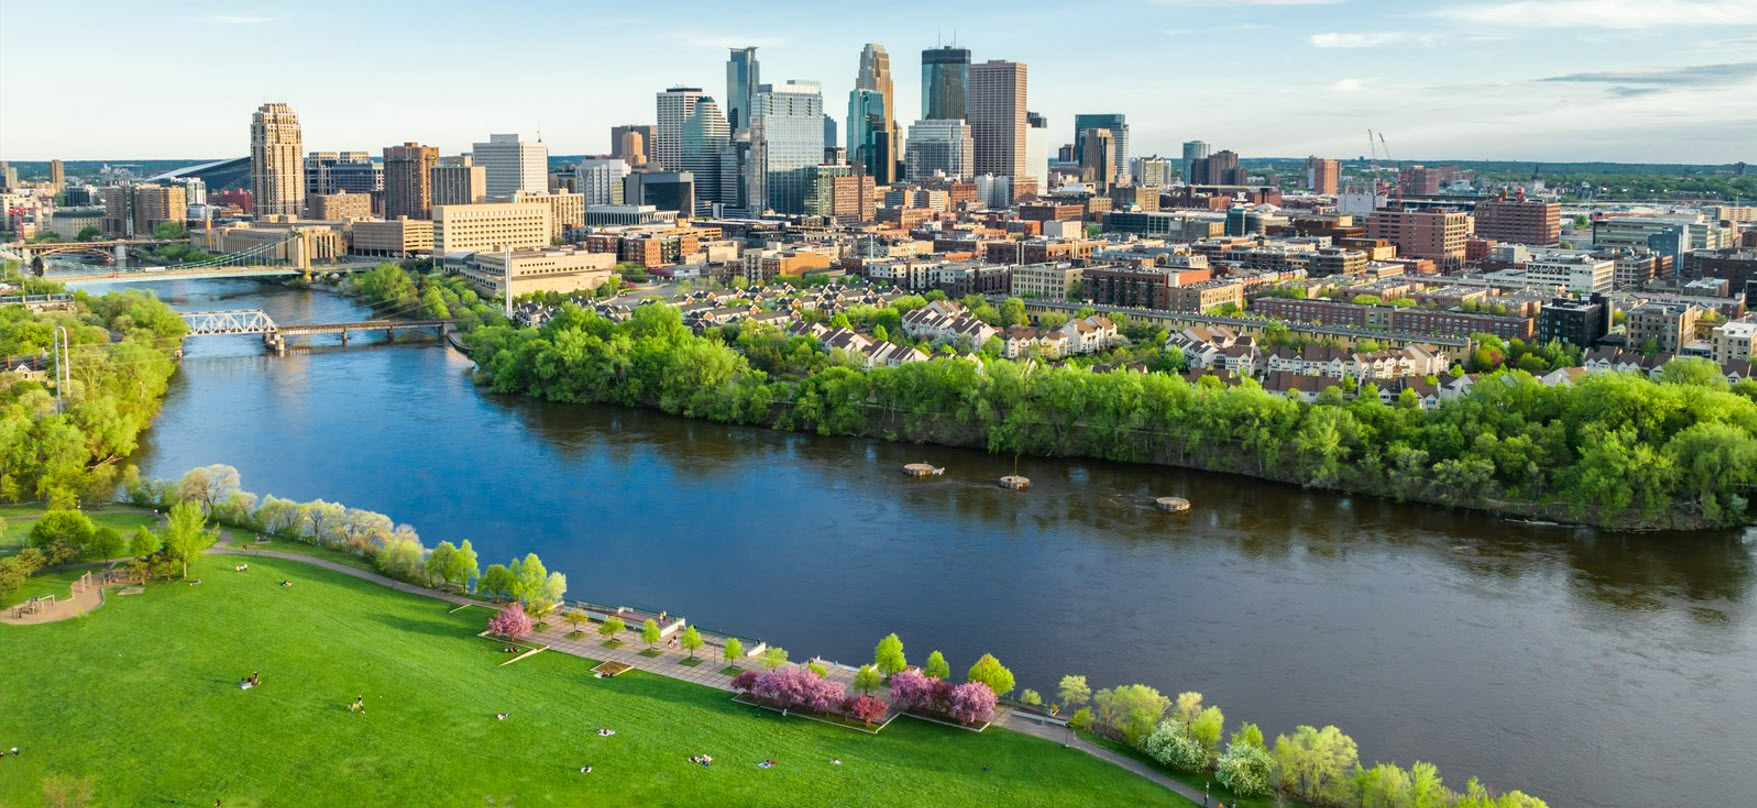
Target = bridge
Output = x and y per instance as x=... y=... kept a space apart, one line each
x=187 y=272
x=274 y=335
x=104 y=249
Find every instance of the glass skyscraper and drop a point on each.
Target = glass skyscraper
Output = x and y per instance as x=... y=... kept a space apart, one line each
x=1118 y=124
x=705 y=136
x=786 y=140
x=743 y=75
x=945 y=83
x=873 y=137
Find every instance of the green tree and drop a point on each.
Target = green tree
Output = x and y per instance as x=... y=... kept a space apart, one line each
x=1246 y=770
x=1073 y=691
x=144 y=543
x=867 y=679
x=936 y=666
x=63 y=536
x=186 y=535
x=1030 y=698
x=650 y=632
x=691 y=640
x=496 y=582
x=1171 y=744
x=575 y=619
x=991 y=672
x=439 y=562
x=1315 y=764
x=888 y=656
x=88 y=233
x=732 y=651
x=1207 y=729
x=107 y=542
x=611 y=627
x=774 y=657
x=463 y=566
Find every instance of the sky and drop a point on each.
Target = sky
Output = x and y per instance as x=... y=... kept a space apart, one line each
x=1541 y=80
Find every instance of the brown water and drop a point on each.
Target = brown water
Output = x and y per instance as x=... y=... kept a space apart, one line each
x=1590 y=669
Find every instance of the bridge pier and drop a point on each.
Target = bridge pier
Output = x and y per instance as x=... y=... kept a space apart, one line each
x=344 y=338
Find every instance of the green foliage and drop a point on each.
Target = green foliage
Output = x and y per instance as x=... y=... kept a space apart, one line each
x=496 y=582
x=888 y=655
x=1030 y=698
x=1081 y=719
x=1120 y=707
x=143 y=543
x=1246 y=770
x=186 y=535
x=691 y=640
x=867 y=679
x=1171 y=744
x=611 y=626
x=62 y=536
x=1073 y=690
x=1315 y=765
x=936 y=666
x=733 y=650
x=650 y=632
x=991 y=672
x=774 y=657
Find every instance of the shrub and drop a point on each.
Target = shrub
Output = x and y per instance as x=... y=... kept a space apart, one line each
x=1081 y=719
x=1173 y=745
x=869 y=709
x=1245 y=770
x=796 y=687
x=744 y=681
x=910 y=688
x=971 y=703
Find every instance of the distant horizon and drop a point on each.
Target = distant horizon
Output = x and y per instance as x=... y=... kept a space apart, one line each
x=1554 y=81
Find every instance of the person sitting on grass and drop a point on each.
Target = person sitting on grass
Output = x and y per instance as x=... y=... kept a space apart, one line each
x=359 y=705
x=285 y=582
x=501 y=716
x=585 y=770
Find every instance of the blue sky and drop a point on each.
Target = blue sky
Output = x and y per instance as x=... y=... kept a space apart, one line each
x=1622 y=80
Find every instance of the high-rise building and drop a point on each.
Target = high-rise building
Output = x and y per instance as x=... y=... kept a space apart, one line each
x=945 y=83
x=743 y=77
x=353 y=172
x=456 y=181
x=57 y=176
x=1152 y=172
x=513 y=163
x=408 y=180
x=706 y=133
x=8 y=176
x=944 y=147
x=277 y=177
x=599 y=180
x=1219 y=168
x=565 y=210
x=786 y=140
x=1193 y=150
x=674 y=107
x=490 y=226
x=631 y=143
x=1520 y=221
x=1097 y=150
x=135 y=211
x=664 y=190
x=1118 y=124
x=1434 y=234
x=996 y=111
x=1322 y=174
x=873 y=138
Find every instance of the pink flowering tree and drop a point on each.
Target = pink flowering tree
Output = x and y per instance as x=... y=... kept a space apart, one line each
x=795 y=687
x=511 y=622
x=867 y=708
x=744 y=681
x=971 y=703
x=911 y=689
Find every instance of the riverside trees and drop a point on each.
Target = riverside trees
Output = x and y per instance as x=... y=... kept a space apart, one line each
x=1615 y=449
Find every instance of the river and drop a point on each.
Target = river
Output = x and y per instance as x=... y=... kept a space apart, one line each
x=1587 y=668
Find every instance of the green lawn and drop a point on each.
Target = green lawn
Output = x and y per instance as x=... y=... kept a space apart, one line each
x=141 y=695
x=19 y=518
x=246 y=539
x=54 y=582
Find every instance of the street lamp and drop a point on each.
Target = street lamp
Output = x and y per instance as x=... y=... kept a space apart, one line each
x=1205 y=787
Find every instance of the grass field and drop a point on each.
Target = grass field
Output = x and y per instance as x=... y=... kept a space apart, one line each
x=19 y=518
x=141 y=695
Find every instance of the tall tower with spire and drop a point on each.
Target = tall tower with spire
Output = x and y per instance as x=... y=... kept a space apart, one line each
x=872 y=120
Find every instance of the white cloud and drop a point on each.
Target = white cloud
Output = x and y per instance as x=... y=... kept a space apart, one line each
x=1348 y=86
x=229 y=19
x=1371 y=40
x=1621 y=14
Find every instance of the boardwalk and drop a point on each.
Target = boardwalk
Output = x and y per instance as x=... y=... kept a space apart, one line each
x=669 y=663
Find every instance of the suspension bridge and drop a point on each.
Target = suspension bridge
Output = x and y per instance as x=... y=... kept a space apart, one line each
x=274 y=335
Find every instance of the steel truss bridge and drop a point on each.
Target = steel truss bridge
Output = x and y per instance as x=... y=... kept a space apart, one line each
x=274 y=335
x=269 y=258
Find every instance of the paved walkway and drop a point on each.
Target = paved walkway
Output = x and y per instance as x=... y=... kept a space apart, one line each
x=669 y=661
x=78 y=603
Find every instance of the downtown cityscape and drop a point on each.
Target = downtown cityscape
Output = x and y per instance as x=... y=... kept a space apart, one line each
x=834 y=406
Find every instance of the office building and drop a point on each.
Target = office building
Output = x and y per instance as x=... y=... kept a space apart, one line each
x=1219 y=168
x=1036 y=157
x=565 y=210
x=490 y=226
x=1118 y=125
x=408 y=180
x=8 y=176
x=511 y=164
x=820 y=189
x=995 y=109
x=545 y=269
x=456 y=181
x=135 y=211
x=1664 y=326
x=1520 y=221
x=631 y=143
x=599 y=180
x=786 y=140
x=674 y=107
x=706 y=134
x=395 y=238
x=664 y=190
x=339 y=206
x=1097 y=150
x=334 y=172
x=1575 y=322
x=940 y=147
x=277 y=176
x=1322 y=175
x=743 y=77
x=1048 y=281
x=1434 y=234
x=873 y=138
x=57 y=176
x=1193 y=150
x=1152 y=172
x=945 y=83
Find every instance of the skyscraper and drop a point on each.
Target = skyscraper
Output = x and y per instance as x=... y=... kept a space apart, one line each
x=743 y=76
x=1097 y=157
x=408 y=180
x=872 y=117
x=631 y=143
x=941 y=146
x=1118 y=124
x=513 y=163
x=336 y=172
x=674 y=107
x=1193 y=150
x=997 y=117
x=706 y=133
x=945 y=83
x=277 y=176
x=57 y=176
x=786 y=140
x=455 y=181
x=599 y=180
x=1036 y=155
x=1321 y=174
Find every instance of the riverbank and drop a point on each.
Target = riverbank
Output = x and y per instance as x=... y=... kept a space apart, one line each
x=429 y=735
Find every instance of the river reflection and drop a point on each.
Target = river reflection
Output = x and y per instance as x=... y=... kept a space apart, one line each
x=1590 y=669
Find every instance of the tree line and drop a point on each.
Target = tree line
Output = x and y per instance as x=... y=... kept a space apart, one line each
x=1616 y=450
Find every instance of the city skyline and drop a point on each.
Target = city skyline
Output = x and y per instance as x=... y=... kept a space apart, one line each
x=1567 y=80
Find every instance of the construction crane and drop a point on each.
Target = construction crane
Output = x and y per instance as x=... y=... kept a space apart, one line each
x=1387 y=150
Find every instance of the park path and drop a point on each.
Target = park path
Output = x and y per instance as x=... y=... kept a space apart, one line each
x=84 y=598
x=670 y=663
